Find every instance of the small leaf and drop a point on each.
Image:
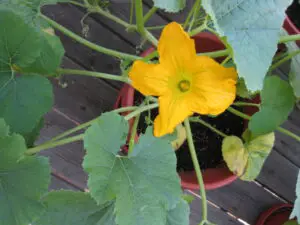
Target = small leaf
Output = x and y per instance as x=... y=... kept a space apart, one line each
x=252 y=29
x=296 y=209
x=188 y=198
x=74 y=208
x=170 y=5
x=241 y=89
x=50 y=56
x=246 y=160
x=24 y=100
x=23 y=180
x=145 y=184
x=277 y=101
x=180 y=214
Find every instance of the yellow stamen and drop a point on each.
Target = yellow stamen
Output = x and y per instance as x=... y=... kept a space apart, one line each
x=184 y=85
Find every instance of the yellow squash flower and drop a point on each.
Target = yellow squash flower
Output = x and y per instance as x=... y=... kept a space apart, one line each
x=185 y=83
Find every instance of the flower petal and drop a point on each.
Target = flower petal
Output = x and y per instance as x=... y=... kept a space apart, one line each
x=172 y=111
x=175 y=47
x=213 y=87
x=149 y=79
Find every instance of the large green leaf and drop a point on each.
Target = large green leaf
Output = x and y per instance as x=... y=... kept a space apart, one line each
x=20 y=42
x=50 y=57
x=23 y=180
x=179 y=215
x=170 y=5
x=145 y=183
x=24 y=100
x=277 y=101
x=246 y=159
x=252 y=29
x=296 y=209
x=74 y=208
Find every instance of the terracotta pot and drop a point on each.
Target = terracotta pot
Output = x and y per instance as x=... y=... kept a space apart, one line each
x=213 y=178
x=291 y=28
x=277 y=215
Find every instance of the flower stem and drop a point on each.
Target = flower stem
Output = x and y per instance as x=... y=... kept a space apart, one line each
x=288 y=38
x=93 y=74
x=84 y=125
x=197 y=6
x=199 y=120
x=196 y=167
x=191 y=13
x=133 y=133
x=34 y=150
x=149 y=14
x=197 y=30
x=140 y=110
x=280 y=129
x=285 y=59
x=88 y=43
x=246 y=104
x=216 y=54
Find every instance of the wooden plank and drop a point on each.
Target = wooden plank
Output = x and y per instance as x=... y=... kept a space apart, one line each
x=65 y=160
x=70 y=17
x=215 y=215
x=84 y=98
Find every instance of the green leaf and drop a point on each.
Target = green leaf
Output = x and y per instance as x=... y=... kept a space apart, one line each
x=24 y=100
x=23 y=180
x=188 y=198
x=179 y=215
x=50 y=57
x=291 y=222
x=241 y=89
x=31 y=137
x=294 y=76
x=296 y=209
x=145 y=183
x=246 y=160
x=170 y=5
x=20 y=43
x=74 y=208
x=277 y=101
x=252 y=29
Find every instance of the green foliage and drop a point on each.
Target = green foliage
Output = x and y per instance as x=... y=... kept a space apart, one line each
x=170 y=5
x=25 y=99
x=246 y=159
x=277 y=101
x=23 y=180
x=296 y=209
x=291 y=222
x=144 y=193
x=74 y=208
x=179 y=215
x=241 y=89
x=252 y=29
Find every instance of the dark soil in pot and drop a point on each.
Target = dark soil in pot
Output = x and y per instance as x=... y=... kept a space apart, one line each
x=293 y=11
x=208 y=143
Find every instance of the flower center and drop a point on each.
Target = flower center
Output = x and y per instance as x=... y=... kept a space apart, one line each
x=184 y=85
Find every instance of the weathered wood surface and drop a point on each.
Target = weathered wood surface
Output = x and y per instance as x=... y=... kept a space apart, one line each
x=85 y=98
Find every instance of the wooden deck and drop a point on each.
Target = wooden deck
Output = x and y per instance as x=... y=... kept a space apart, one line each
x=84 y=98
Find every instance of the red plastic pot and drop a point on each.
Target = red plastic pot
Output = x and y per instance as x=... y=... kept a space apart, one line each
x=291 y=28
x=213 y=178
x=277 y=215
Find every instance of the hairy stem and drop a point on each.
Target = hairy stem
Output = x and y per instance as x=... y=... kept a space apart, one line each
x=140 y=110
x=246 y=104
x=133 y=133
x=199 y=120
x=149 y=14
x=196 y=167
x=93 y=74
x=191 y=13
x=285 y=59
x=196 y=11
x=288 y=38
x=88 y=43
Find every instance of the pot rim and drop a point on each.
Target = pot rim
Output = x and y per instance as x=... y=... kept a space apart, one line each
x=266 y=214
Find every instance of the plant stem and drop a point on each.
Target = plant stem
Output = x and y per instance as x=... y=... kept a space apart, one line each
x=280 y=129
x=226 y=60
x=149 y=14
x=93 y=74
x=216 y=54
x=84 y=125
x=133 y=133
x=285 y=59
x=48 y=145
x=111 y=17
x=197 y=30
x=140 y=110
x=246 y=104
x=288 y=38
x=199 y=120
x=196 y=167
x=77 y=3
x=131 y=11
x=196 y=10
x=155 y=27
x=88 y=43
x=191 y=13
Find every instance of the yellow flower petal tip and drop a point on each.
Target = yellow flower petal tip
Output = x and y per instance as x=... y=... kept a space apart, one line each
x=185 y=83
